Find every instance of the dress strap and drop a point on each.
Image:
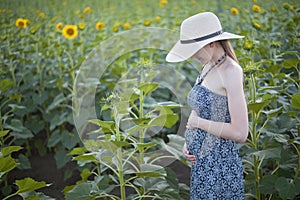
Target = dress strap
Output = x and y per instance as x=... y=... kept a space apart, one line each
x=216 y=63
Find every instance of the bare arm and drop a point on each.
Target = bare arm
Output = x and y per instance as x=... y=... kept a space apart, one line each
x=237 y=129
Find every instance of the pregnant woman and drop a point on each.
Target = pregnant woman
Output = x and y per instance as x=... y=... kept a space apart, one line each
x=219 y=117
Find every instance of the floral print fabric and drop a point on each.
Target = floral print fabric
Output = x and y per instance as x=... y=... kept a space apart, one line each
x=218 y=172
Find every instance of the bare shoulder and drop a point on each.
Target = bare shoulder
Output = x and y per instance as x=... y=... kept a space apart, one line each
x=232 y=71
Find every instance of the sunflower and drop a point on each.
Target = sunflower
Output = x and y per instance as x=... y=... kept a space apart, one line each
x=87 y=10
x=115 y=28
x=59 y=26
x=81 y=25
x=41 y=15
x=70 y=31
x=157 y=18
x=292 y=7
x=147 y=22
x=256 y=8
x=126 y=26
x=100 y=25
x=234 y=11
x=248 y=45
x=21 y=23
x=162 y=3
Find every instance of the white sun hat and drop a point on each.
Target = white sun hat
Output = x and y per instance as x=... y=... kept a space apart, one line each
x=196 y=32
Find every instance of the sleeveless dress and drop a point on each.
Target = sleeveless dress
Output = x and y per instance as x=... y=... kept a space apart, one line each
x=218 y=172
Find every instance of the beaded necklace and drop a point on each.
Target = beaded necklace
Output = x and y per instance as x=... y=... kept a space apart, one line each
x=216 y=63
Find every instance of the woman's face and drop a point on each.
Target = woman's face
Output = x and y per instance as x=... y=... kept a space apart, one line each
x=204 y=55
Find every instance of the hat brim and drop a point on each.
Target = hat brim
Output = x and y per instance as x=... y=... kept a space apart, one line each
x=181 y=52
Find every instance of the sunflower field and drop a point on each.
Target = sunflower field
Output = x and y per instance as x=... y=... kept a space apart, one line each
x=84 y=86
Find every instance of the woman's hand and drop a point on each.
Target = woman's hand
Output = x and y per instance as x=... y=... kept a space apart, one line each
x=187 y=154
x=193 y=121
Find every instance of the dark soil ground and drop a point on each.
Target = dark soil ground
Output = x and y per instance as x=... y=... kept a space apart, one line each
x=44 y=169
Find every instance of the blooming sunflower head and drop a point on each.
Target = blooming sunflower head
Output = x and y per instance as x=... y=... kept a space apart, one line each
x=70 y=31
x=248 y=45
x=87 y=10
x=162 y=3
x=256 y=8
x=126 y=26
x=81 y=25
x=292 y=7
x=157 y=19
x=100 y=25
x=41 y=15
x=234 y=11
x=147 y=22
x=115 y=28
x=27 y=22
x=21 y=23
x=59 y=26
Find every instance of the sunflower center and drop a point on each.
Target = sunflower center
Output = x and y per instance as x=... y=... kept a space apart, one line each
x=70 y=31
x=21 y=24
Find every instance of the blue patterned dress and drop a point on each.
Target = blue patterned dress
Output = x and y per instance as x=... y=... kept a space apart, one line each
x=218 y=172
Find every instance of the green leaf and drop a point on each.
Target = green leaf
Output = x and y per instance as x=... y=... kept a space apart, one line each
x=145 y=146
x=20 y=131
x=296 y=101
x=85 y=174
x=107 y=126
x=174 y=146
x=291 y=62
x=61 y=158
x=36 y=196
x=141 y=121
x=286 y=188
x=69 y=140
x=257 y=107
x=54 y=138
x=86 y=157
x=149 y=170
x=79 y=192
x=78 y=151
x=169 y=104
x=28 y=184
x=273 y=112
x=7 y=164
x=5 y=84
x=148 y=87
x=272 y=153
x=112 y=146
x=4 y=133
x=171 y=178
x=40 y=146
x=135 y=129
x=24 y=162
x=267 y=184
x=164 y=120
x=8 y=150
x=56 y=101
x=121 y=107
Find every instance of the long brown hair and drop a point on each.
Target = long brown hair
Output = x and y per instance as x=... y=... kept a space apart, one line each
x=228 y=49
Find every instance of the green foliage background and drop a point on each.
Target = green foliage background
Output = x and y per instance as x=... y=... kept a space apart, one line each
x=39 y=65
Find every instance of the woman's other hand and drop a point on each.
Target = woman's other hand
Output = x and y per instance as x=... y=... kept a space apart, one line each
x=187 y=154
